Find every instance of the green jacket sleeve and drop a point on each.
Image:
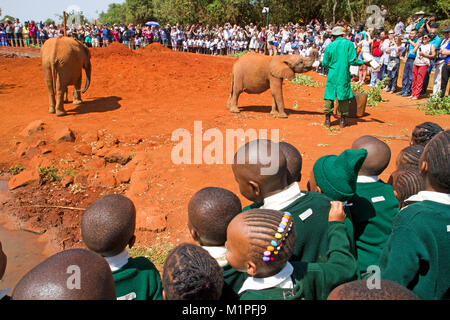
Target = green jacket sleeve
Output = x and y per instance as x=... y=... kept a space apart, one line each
x=399 y=260
x=326 y=57
x=321 y=278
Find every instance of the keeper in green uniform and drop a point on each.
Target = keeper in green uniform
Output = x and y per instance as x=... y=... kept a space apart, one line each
x=338 y=57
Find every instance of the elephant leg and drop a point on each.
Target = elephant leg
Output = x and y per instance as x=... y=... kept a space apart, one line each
x=233 y=101
x=51 y=92
x=60 y=91
x=276 y=88
x=274 y=111
x=66 y=96
x=77 y=93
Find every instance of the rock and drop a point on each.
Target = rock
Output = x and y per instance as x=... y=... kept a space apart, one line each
x=26 y=177
x=33 y=127
x=124 y=175
x=90 y=137
x=81 y=178
x=64 y=134
x=117 y=156
x=104 y=179
x=97 y=163
x=39 y=143
x=67 y=180
x=138 y=183
x=148 y=218
x=84 y=149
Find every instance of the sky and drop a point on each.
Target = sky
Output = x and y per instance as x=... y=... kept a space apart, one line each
x=43 y=9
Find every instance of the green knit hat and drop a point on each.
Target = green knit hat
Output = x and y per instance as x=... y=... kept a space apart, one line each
x=336 y=175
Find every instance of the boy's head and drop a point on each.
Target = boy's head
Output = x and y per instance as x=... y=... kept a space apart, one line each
x=406 y=182
x=259 y=168
x=3 y=261
x=358 y=290
x=378 y=155
x=108 y=225
x=210 y=210
x=74 y=274
x=335 y=176
x=434 y=163
x=260 y=242
x=293 y=162
x=190 y=273
x=409 y=156
x=424 y=132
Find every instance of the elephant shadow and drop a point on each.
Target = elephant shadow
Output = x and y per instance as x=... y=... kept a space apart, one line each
x=267 y=109
x=103 y=104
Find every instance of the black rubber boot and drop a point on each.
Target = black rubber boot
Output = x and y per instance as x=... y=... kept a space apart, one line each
x=342 y=122
x=327 y=120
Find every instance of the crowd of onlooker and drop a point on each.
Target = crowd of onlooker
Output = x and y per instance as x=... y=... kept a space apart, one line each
x=416 y=40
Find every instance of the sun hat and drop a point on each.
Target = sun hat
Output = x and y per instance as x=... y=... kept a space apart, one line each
x=337 y=31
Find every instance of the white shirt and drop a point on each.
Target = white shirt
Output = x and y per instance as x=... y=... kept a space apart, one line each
x=367 y=179
x=118 y=261
x=280 y=280
x=439 y=197
x=284 y=198
x=218 y=253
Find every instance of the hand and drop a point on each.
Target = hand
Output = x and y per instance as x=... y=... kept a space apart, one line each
x=336 y=211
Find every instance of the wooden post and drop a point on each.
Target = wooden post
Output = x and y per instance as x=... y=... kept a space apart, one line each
x=64 y=23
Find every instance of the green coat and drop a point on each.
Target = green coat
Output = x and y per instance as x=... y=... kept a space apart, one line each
x=338 y=57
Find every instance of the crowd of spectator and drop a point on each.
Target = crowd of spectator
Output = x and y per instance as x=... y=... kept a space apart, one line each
x=416 y=40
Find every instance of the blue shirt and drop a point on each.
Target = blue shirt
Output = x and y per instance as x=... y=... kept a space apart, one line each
x=410 y=47
x=437 y=42
x=105 y=33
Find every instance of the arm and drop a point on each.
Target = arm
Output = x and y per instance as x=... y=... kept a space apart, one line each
x=353 y=58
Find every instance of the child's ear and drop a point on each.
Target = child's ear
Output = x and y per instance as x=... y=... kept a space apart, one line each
x=195 y=235
x=132 y=241
x=255 y=187
x=396 y=194
x=164 y=295
x=251 y=268
x=423 y=167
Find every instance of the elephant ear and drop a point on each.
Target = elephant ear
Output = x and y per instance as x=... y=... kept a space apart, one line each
x=279 y=68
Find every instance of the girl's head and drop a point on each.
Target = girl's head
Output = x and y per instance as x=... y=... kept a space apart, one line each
x=409 y=156
x=424 y=132
x=406 y=183
x=434 y=163
x=260 y=242
x=190 y=273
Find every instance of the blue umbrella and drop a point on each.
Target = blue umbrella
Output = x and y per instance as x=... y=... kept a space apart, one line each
x=152 y=23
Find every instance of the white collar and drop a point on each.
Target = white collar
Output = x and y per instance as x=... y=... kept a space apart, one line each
x=280 y=280
x=284 y=198
x=118 y=261
x=217 y=253
x=3 y=293
x=367 y=179
x=440 y=197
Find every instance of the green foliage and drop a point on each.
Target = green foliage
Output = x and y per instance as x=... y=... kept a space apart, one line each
x=69 y=172
x=17 y=169
x=304 y=80
x=156 y=254
x=437 y=105
x=373 y=94
x=239 y=54
x=48 y=174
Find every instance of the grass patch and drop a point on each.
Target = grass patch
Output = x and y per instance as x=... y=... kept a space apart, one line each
x=156 y=253
x=304 y=80
x=16 y=169
x=239 y=54
x=48 y=174
x=69 y=172
x=436 y=105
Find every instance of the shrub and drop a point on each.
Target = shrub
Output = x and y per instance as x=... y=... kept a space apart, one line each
x=48 y=174
x=304 y=80
x=437 y=105
x=16 y=169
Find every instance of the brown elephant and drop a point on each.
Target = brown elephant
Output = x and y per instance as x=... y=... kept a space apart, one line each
x=255 y=73
x=63 y=59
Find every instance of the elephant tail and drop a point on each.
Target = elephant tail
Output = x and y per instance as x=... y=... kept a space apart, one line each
x=232 y=90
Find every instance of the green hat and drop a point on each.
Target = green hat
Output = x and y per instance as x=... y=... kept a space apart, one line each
x=336 y=175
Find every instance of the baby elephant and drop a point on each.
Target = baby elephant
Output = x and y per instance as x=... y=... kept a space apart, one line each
x=255 y=73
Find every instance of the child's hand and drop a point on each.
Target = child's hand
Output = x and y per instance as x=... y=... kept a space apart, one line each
x=336 y=211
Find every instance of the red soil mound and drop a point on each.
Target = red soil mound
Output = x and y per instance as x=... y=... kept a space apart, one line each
x=154 y=47
x=115 y=48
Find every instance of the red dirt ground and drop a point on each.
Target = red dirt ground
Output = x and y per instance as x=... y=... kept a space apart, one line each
x=135 y=102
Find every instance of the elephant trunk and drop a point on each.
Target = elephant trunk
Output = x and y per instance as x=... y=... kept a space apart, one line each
x=314 y=56
x=87 y=83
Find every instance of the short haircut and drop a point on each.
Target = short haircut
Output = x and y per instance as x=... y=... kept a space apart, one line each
x=378 y=155
x=437 y=157
x=410 y=156
x=108 y=224
x=51 y=279
x=424 y=132
x=358 y=290
x=210 y=210
x=406 y=182
x=293 y=161
x=190 y=273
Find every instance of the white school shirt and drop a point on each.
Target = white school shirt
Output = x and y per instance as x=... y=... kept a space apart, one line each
x=284 y=198
x=282 y=279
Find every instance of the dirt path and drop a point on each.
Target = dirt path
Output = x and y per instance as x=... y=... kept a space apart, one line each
x=135 y=102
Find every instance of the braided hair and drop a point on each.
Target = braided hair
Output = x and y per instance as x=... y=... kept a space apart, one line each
x=424 y=132
x=437 y=157
x=358 y=290
x=410 y=156
x=190 y=273
x=263 y=224
x=406 y=182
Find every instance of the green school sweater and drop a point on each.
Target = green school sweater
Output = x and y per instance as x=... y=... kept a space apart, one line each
x=373 y=211
x=314 y=281
x=312 y=242
x=233 y=282
x=139 y=278
x=417 y=254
